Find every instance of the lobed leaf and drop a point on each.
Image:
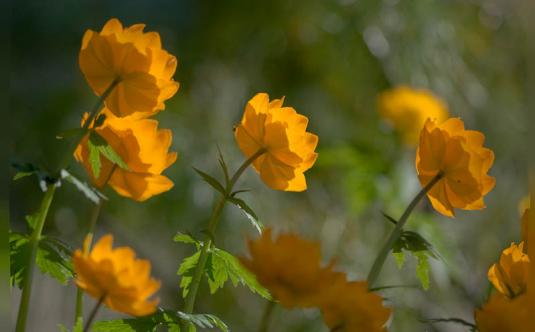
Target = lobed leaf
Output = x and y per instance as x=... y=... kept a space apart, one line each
x=105 y=149
x=186 y=270
x=142 y=324
x=207 y=321
x=422 y=268
x=19 y=255
x=54 y=258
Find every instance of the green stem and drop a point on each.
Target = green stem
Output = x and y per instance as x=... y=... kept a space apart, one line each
x=93 y=313
x=266 y=316
x=85 y=127
x=207 y=243
x=30 y=266
x=78 y=312
x=381 y=257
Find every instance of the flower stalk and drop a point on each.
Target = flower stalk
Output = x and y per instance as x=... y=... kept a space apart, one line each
x=266 y=316
x=207 y=243
x=381 y=257
x=24 y=305
x=94 y=313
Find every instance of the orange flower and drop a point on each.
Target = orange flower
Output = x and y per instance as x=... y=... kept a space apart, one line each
x=407 y=109
x=116 y=277
x=510 y=275
x=502 y=314
x=460 y=157
x=281 y=132
x=290 y=268
x=351 y=307
x=144 y=71
x=142 y=147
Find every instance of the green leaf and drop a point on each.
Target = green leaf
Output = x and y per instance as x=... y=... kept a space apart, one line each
x=21 y=175
x=94 y=158
x=227 y=266
x=78 y=327
x=143 y=324
x=422 y=268
x=249 y=213
x=206 y=321
x=103 y=147
x=54 y=258
x=223 y=165
x=186 y=270
x=90 y=192
x=211 y=181
x=400 y=258
x=31 y=220
x=19 y=255
x=185 y=238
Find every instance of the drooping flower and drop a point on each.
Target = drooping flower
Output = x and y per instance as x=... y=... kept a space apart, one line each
x=290 y=268
x=510 y=275
x=408 y=109
x=144 y=149
x=116 y=277
x=459 y=156
x=281 y=132
x=136 y=61
x=351 y=307
x=503 y=314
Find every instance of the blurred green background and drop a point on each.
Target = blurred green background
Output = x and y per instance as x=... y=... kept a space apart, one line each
x=330 y=59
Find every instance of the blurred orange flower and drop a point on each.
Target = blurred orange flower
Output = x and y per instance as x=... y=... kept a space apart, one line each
x=116 y=277
x=527 y=226
x=460 y=157
x=136 y=61
x=281 y=132
x=143 y=148
x=502 y=314
x=407 y=109
x=510 y=275
x=290 y=268
x=350 y=306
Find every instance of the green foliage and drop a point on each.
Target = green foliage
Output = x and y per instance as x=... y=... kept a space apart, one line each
x=206 y=321
x=142 y=324
x=185 y=238
x=19 y=255
x=186 y=271
x=249 y=213
x=97 y=145
x=78 y=327
x=420 y=248
x=54 y=258
x=31 y=220
x=89 y=191
x=211 y=181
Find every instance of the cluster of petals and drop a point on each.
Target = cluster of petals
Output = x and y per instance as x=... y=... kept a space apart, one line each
x=509 y=276
x=116 y=277
x=144 y=149
x=135 y=61
x=458 y=156
x=407 y=109
x=513 y=311
x=281 y=133
x=290 y=268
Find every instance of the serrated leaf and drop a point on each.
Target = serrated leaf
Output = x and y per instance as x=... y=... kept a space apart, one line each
x=31 y=220
x=249 y=213
x=106 y=149
x=143 y=324
x=206 y=321
x=54 y=259
x=422 y=268
x=186 y=270
x=185 y=238
x=237 y=272
x=90 y=192
x=20 y=175
x=211 y=181
x=78 y=327
x=19 y=255
x=94 y=158
x=400 y=258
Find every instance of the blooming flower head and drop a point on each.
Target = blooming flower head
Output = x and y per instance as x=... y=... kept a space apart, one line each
x=281 y=132
x=350 y=306
x=290 y=268
x=503 y=314
x=510 y=275
x=144 y=149
x=116 y=277
x=459 y=157
x=136 y=61
x=407 y=109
